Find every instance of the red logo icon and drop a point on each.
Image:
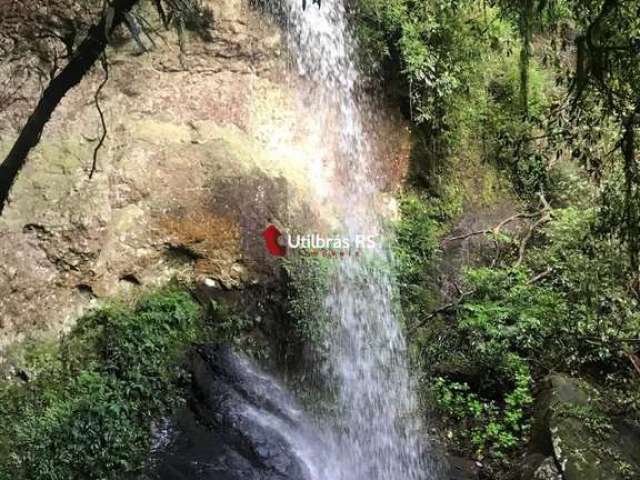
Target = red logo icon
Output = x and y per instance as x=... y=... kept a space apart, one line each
x=271 y=236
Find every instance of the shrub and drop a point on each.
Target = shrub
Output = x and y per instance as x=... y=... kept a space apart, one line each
x=492 y=427
x=515 y=327
x=88 y=411
x=566 y=308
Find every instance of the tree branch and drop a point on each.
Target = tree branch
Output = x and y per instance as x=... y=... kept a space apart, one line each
x=495 y=230
x=105 y=67
x=545 y=211
x=444 y=308
x=463 y=296
x=546 y=217
x=87 y=53
x=635 y=361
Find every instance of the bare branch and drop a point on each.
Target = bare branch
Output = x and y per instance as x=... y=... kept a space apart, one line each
x=105 y=67
x=85 y=56
x=463 y=296
x=492 y=231
x=546 y=217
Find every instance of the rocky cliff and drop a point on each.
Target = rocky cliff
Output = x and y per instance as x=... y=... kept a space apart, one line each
x=206 y=143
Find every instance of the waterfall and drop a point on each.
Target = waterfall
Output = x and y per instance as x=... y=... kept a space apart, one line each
x=378 y=437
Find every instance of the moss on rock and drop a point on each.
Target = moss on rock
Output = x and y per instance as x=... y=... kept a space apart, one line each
x=586 y=442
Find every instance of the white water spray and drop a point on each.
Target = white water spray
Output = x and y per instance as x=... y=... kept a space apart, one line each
x=378 y=435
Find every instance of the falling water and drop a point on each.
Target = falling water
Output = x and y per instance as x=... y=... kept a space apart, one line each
x=378 y=434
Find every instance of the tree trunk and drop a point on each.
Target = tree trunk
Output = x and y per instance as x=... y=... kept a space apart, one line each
x=526 y=32
x=87 y=53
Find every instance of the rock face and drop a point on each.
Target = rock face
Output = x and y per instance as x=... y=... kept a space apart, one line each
x=180 y=121
x=462 y=469
x=207 y=143
x=239 y=425
x=573 y=439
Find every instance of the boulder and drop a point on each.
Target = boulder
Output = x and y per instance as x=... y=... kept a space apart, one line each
x=462 y=469
x=574 y=439
x=536 y=466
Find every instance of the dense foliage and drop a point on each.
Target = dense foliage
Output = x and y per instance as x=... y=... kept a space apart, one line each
x=426 y=54
x=307 y=280
x=89 y=404
x=547 y=92
x=566 y=308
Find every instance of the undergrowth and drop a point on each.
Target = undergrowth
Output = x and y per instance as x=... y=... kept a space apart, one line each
x=87 y=409
x=566 y=308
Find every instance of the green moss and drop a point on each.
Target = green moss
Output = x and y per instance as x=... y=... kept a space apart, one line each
x=64 y=156
x=88 y=409
x=308 y=287
x=423 y=221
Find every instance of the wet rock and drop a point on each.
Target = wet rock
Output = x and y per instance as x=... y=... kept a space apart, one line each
x=462 y=469
x=536 y=466
x=62 y=229
x=547 y=470
x=577 y=439
x=208 y=142
x=238 y=425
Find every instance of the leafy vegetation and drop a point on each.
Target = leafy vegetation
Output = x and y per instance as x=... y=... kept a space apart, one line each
x=455 y=67
x=308 y=284
x=90 y=403
x=564 y=295
x=417 y=236
x=547 y=93
x=489 y=425
x=566 y=308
